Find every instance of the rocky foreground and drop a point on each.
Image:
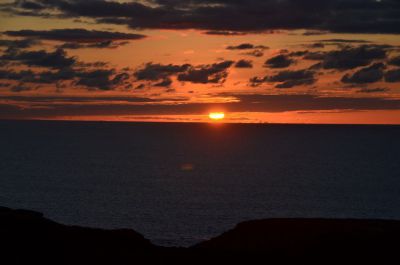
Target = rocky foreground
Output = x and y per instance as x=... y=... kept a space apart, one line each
x=26 y=237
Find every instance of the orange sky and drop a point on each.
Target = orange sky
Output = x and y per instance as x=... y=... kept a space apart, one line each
x=147 y=93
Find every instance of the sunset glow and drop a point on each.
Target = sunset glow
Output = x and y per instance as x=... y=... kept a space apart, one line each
x=216 y=116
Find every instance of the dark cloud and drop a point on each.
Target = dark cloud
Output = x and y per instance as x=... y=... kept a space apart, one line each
x=23 y=76
x=120 y=78
x=344 y=41
x=30 y=5
x=45 y=77
x=246 y=103
x=255 y=53
x=316 y=45
x=213 y=73
x=395 y=61
x=298 y=53
x=316 y=56
x=224 y=33
x=78 y=99
x=291 y=79
x=164 y=83
x=315 y=32
x=3 y=63
x=279 y=61
x=244 y=64
x=392 y=76
x=75 y=35
x=155 y=72
x=335 y=42
x=18 y=44
x=373 y=90
x=257 y=81
x=50 y=77
x=297 y=82
x=279 y=103
x=92 y=79
x=72 y=46
x=2 y=85
x=98 y=45
x=361 y=16
x=370 y=74
x=257 y=50
x=246 y=46
x=20 y=88
x=287 y=79
x=349 y=57
x=96 y=79
x=99 y=79
x=56 y=59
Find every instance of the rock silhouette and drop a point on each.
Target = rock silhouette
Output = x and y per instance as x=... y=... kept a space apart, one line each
x=29 y=238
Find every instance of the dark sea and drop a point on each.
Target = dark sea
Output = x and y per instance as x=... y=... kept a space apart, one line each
x=179 y=184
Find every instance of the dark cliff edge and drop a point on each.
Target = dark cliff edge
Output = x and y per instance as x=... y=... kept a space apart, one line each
x=29 y=238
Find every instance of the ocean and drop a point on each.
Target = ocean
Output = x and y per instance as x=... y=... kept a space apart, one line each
x=179 y=184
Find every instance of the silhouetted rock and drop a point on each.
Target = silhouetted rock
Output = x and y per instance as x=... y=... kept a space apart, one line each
x=29 y=238
x=322 y=240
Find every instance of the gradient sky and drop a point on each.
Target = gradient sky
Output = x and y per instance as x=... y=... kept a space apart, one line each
x=280 y=61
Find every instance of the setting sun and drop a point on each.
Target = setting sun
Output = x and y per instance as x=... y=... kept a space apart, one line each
x=216 y=116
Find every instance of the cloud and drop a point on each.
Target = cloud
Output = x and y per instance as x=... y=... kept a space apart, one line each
x=167 y=82
x=120 y=78
x=341 y=43
x=287 y=79
x=19 y=44
x=79 y=99
x=154 y=72
x=203 y=74
x=56 y=59
x=99 y=79
x=257 y=50
x=132 y=106
x=298 y=53
x=373 y=90
x=247 y=46
x=315 y=32
x=255 y=53
x=2 y=85
x=349 y=57
x=108 y=44
x=20 y=88
x=212 y=73
x=279 y=61
x=257 y=81
x=291 y=79
x=394 y=61
x=392 y=76
x=92 y=79
x=75 y=35
x=224 y=33
x=316 y=45
x=370 y=74
x=244 y=64
x=22 y=76
x=368 y=16
x=344 y=41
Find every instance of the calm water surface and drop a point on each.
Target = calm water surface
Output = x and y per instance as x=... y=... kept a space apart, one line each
x=179 y=184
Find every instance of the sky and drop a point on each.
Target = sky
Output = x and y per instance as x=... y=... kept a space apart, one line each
x=259 y=61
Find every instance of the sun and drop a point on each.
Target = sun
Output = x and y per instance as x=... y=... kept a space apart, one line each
x=216 y=116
